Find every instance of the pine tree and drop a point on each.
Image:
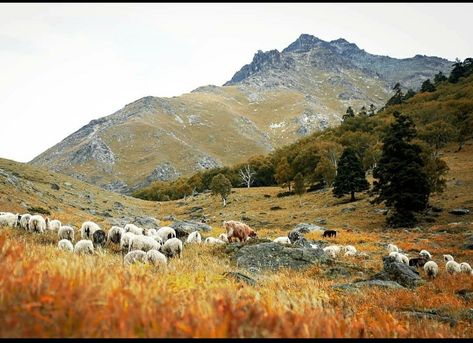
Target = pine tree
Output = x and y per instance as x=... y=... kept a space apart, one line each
x=457 y=71
x=439 y=78
x=299 y=187
x=427 y=86
x=349 y=113
x=350 y=177
x=220 y=185
x=409 y=94
x=398 y=97
x=401 y=181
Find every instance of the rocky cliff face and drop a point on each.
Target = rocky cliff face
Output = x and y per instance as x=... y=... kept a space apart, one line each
x=276 y=99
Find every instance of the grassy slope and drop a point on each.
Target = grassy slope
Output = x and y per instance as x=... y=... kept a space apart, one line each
x=52 y=294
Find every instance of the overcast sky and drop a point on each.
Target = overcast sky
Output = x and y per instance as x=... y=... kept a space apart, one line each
x=62 y=65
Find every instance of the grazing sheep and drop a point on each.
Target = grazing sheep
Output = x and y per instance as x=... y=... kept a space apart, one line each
x=156 y=258
x=172 y=247
x=223 y=237
x=329 y=233
x=351 y=248
x=151 y=232
x=114 y=235
x=431 y=269
x=66 y=245
x=126 y=240
x=331 y=251
x=194 y=237
x=418 y=261
x=336 y=248
x=401 y=258
x=465 y=268
x=447 y=258
x=134 y=229
x=392 y=248
x=84 y=246
x=87 y=230
x=24 y=221
x=425 y=254
x=350 y=253
x=134 y=256
x=282 y=240
x=144 y=243
x=212 y=240
x=238 y=230
x=99 y=238
x=66 y=232
x=453 y=267
x=37 y=223
x=53 y=225
x=8 y=219
x=166 y=233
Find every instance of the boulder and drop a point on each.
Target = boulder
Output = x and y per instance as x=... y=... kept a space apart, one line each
x=348 y=209
x=399 y=272
x=184 y=227
x=273 y=256
x=459 y=211
x=302 y=228
x=147 y=222
x=240 y=277
x=368 y=283
x=468 y=243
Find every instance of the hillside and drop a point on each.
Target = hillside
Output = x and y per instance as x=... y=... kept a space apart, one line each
x=276 y=99
x=54 y=294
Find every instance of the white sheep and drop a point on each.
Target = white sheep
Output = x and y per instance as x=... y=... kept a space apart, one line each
x=431 y=269
x=453 y=267
x=134 y=256
x=134 y=229
x=331 y=251
x=87 y=230
x=84 y=246
x=8 y=219
x=114 y=235
x=425 y=254
x=223 y=237
x=194 y=237
x=53 y=225
x=126 y=240
x=448 y=258
x=212 y=240
x=65 y=244
x=151 y=232
x=145 y=243
x=465 y=268
x=336 y=248
x=349 y=248
x=156 y=258
x=24 y=221
x=37 y=223
x=66 y=232
x=399 y=257
x=350 y=253
x=166 y=232
x=282 y=240
x=172 y=247
x=392 y=248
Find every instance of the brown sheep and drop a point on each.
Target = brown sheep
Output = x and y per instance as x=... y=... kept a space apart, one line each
x=238 y=230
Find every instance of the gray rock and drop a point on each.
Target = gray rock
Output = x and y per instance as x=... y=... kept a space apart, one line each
x=369 y=283
x=118 y=205
x=185 y=227
x=273 y=256
x=55 y=186
x=466 y=294
x=147 y=222
x=399 y=272
x=468 y=243
x=460 y=211
x=302 y=228
x=430 y=315
x=320 y=221
x=381 y=211
x=169 y=217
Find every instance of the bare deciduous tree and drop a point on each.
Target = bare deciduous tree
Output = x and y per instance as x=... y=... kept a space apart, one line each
x=246 y=175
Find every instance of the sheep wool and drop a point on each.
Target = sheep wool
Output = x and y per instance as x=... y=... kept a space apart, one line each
x=156 y=258
x=465 y=268
x=282 y=240
x=54 y=225
x=8 y=219
x=448 y=258
x=392 y=248
x=66 y=245
x=24 y=221
x=66 y=232
x=431 y=269
x=84 y=246
x=425 y=254
x=172 y=247
x=134 y=229
x=166 y=232
x=194 y=237
x=87 y=230
x=213 y=240
x=453 y=267
x=37 y=223
x=134 y=256
x=114 y=235
x=144 y=243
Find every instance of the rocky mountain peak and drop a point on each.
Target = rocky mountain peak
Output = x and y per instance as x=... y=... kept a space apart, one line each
x=304 y=43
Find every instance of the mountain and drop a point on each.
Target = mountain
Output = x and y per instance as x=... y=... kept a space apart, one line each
x=276 y=99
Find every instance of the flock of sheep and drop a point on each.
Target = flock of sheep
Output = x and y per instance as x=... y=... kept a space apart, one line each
x=157 y=246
